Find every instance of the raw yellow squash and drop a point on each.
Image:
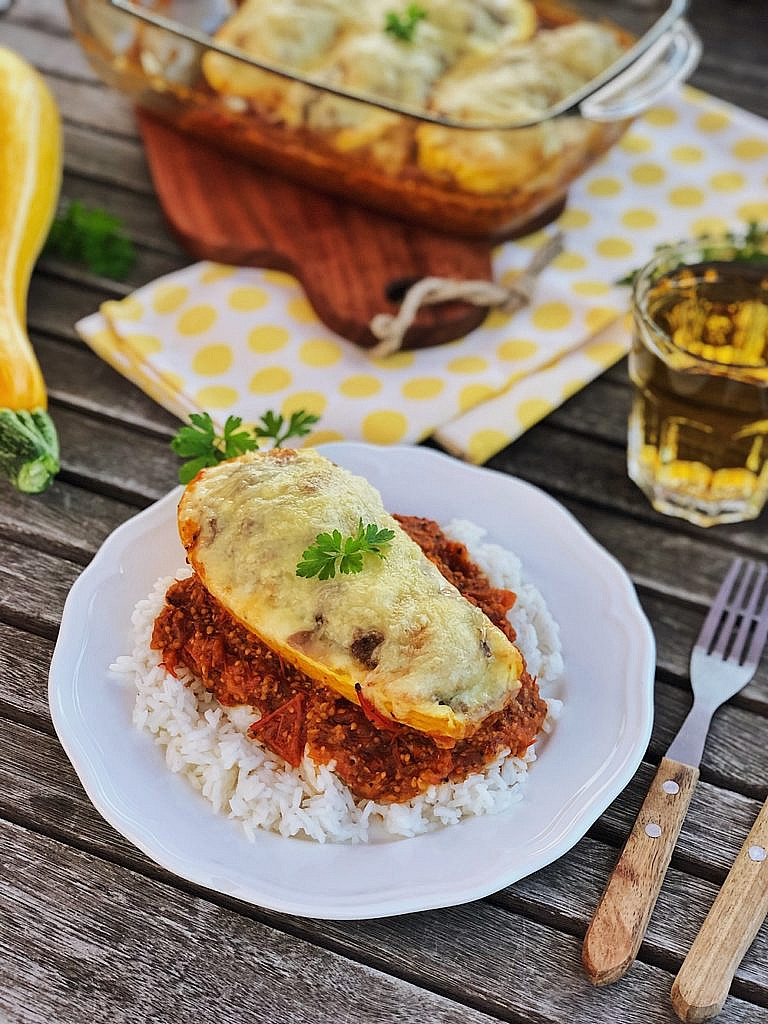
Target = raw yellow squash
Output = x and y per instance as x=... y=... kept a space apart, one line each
x=30 y=176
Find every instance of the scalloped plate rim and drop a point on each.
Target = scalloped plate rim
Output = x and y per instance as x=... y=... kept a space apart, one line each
x=66 y=667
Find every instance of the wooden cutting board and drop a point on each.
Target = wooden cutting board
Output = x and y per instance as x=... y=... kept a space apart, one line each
x=352 y=262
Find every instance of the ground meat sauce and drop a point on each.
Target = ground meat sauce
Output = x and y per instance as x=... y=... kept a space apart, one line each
x=377 y=759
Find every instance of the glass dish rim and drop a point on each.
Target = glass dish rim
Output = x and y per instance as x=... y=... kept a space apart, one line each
x=645 y=273
x=676 y=9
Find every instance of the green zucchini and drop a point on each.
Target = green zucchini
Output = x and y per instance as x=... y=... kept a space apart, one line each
x=29 y=449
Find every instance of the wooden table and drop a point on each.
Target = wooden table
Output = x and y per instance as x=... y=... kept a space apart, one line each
x=92 y=930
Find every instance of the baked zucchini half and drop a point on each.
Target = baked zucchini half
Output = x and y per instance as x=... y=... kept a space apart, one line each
x=396 y=633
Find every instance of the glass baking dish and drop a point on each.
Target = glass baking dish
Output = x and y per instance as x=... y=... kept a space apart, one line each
x=448 y=166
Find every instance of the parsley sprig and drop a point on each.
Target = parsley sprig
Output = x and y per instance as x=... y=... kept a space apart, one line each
x=331 y=552
x=201 y=446
x=402 y=26
x=88 y=235
x=750 y=247
x=272 y=425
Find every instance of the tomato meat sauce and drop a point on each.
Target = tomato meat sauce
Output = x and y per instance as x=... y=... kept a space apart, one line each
x=377 y=758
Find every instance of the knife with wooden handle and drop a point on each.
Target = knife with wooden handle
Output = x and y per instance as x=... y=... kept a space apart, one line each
x=702 y=984
x=724 y=659
x=621 y=918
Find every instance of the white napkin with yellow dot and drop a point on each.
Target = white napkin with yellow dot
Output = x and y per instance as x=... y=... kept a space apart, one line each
x=241 y=340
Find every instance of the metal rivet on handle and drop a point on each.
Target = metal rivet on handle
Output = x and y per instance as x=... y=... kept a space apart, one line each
x=671 y=787
x=757 y=853
x=653 y=830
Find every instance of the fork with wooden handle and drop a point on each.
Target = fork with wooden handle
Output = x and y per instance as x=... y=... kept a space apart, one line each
x=702 y=984
x=724 y=660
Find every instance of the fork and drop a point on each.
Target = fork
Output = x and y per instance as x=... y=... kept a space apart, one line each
x=724 y=660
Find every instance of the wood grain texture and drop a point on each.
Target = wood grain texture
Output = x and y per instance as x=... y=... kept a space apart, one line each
x=39 y=780
x=618 y=927
x=500 y=962
x=103 y=945
x=53 y=522
x=24 y=661
x=108 y=396
x=33 y=587
x=701 y=986
x=72 y=952
x=563 y=895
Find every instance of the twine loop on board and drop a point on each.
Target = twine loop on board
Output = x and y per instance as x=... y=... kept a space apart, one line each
x=391 y=329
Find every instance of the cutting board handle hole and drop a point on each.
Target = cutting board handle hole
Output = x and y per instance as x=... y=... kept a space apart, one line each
x=395 y=290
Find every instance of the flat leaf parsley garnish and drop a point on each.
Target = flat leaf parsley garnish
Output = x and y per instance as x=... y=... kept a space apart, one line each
x=331 y=552
x=402 y=26
x=201 y=446
x=86 y=234
x=272 y=425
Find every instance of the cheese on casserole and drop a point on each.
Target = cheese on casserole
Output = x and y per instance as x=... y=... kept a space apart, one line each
x=344 y=45
x=421 y=653
x=520 y=81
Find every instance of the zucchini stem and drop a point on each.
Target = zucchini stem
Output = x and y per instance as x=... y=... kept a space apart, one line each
x=29 y=449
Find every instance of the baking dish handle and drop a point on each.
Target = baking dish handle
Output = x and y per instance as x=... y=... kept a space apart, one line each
x=670 y=60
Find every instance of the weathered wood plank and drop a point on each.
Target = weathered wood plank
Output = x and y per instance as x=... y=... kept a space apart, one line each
x=714 y=820
x=67 y=367
x=132 y=467
x=600 y=412
x=562 y=462
x=56 y=304
x=573 y=465
x=36 y=776
x=113 y=946
x=707 y=843
x=43 y=783
x=64 y=521
x=566 y=893
x=563 y=895
x=658 y=558
x=150 y=265
x=139 y=469
x=676 y=626
x=50 y=18
x=33 y=587
x=102 y=109
x=72 y=523
x=141 y=214
x=24 y=661
x=109 y=159
x=735 y=756
x=56 y=54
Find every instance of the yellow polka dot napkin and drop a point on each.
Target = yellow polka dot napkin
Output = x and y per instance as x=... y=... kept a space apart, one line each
x=243 y=340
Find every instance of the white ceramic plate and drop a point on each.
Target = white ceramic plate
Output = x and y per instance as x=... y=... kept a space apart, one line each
x=590 y=757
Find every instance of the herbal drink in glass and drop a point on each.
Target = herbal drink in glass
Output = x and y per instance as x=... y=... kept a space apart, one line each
x=698 y=429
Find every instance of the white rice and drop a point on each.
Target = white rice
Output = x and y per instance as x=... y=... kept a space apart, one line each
x=242 y=779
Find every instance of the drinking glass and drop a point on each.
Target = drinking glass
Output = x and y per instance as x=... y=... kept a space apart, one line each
x=698 y=429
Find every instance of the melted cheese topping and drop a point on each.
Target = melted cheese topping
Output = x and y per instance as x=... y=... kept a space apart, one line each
x=468 y=60
x=421 y=653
